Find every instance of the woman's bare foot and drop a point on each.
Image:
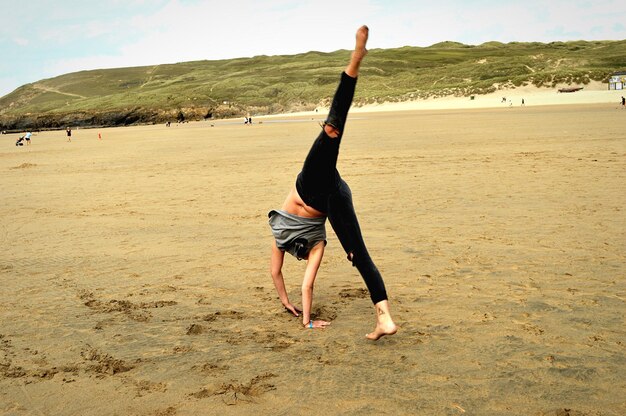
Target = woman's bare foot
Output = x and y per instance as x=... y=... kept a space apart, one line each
x=362 y=34
x=384 y=322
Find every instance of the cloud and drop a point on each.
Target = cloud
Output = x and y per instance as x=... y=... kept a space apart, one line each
x=619 y=27
x=59 y=37
x=20 y=41
x=235 y=29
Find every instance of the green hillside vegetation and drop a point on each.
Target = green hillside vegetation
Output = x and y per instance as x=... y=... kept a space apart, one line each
x=272 y=84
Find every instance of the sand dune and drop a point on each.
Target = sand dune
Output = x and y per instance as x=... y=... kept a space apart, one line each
x=135 y=269
x=593 y=93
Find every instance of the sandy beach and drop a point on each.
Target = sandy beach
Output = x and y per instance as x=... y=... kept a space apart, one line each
x=135 y=269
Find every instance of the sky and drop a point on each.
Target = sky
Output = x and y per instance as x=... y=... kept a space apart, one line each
x=42 y=38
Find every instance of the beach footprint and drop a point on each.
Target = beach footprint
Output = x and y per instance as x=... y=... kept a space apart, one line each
x=236 y=392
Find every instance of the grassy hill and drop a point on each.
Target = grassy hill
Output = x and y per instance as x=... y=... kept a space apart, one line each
x=271 y=84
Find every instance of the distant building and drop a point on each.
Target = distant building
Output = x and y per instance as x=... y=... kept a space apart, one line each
x=617 y=81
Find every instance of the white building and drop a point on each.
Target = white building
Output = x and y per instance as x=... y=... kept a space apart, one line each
x=617 y=81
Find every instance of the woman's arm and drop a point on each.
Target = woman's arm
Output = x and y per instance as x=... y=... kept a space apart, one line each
x=276 y=269
x=313 y=265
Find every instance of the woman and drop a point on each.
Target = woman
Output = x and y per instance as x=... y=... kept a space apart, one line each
x=320 y=192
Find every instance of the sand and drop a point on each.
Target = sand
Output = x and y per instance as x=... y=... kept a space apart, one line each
x=135 y=269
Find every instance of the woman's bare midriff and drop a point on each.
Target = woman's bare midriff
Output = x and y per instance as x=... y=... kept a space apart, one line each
x=296 y=206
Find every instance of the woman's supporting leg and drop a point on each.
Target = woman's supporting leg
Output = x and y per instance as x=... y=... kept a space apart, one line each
x=344 y=221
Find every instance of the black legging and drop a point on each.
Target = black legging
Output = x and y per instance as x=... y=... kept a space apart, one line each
x=321 y=187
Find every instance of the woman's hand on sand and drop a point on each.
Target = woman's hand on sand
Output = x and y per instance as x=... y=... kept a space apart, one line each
x=316 y=324
x=293 y=309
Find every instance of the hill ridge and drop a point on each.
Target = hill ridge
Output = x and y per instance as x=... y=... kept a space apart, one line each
x=285 y=83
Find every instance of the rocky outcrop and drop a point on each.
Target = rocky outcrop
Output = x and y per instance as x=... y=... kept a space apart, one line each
x=121 y=117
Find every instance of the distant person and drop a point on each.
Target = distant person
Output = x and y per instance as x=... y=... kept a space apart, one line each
x=22 y=138
x=319 y=192
x=250 y=120
x=523 y=104
x=623 y=101
x=68 y=131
